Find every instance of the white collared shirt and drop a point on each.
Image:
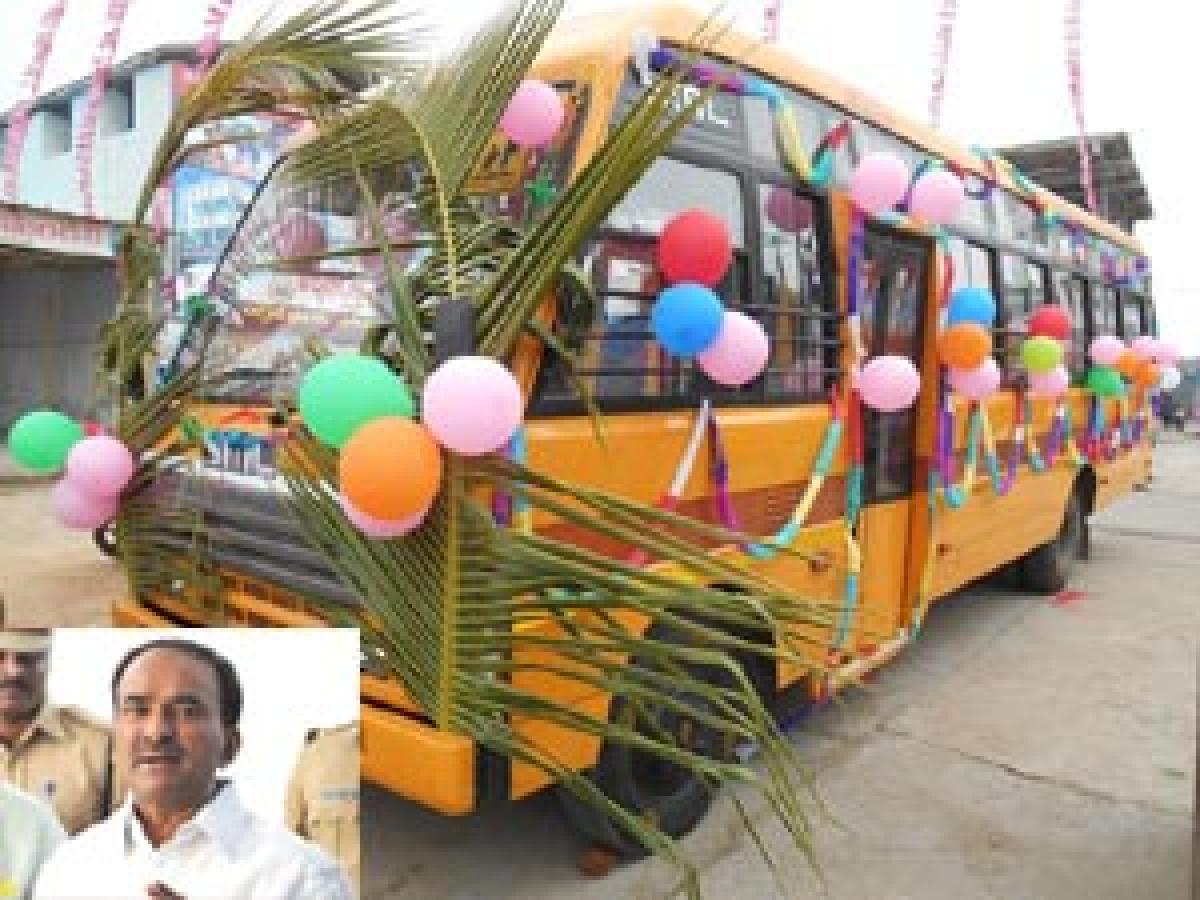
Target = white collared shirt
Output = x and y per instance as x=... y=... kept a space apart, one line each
x=223 y=851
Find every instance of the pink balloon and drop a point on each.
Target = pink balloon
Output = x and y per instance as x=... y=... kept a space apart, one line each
x=472 y=404
x=381 y=529
x=740 y=352
x=1050 y=384
x=889 y=383
x=978 y=383
x=1168 y=354
x=534 y=114
x=78 y=509
x=878 y=183
x=1106 y=350
x=1144 y=347
x=99 y=465
x=937 y=197
x=299 y=234
x=789 y=211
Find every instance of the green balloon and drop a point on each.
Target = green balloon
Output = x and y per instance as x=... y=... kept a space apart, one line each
x=1041 y=354
x=343 y=392
x=41 y=440
x=1104 y=381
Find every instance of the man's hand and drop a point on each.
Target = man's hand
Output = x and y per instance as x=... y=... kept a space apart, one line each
x=159 y=891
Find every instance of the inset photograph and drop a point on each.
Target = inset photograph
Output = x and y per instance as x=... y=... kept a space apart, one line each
x=179 y=763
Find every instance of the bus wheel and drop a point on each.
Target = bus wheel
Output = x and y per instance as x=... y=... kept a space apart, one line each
x=105 y=539
x=1048 y=568
x=668 y=795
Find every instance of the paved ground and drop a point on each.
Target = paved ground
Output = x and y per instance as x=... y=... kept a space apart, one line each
x=1018 y=750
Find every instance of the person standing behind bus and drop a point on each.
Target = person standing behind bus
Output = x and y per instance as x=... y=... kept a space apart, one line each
x=322 y=796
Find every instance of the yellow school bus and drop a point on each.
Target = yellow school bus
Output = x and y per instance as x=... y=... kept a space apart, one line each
x=895 y=510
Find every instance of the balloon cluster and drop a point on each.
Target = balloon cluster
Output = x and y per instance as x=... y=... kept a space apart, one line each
x=98 y=467
x=1145 y=362
x=688 y=318
x=389 y=465
x=881 y=181
x=965 y=343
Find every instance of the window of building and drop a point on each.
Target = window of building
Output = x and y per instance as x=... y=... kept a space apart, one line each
x=56 y=129
x=118 y=106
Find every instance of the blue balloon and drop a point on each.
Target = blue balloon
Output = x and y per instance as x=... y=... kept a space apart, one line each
x=687 y=318
x=972 y=304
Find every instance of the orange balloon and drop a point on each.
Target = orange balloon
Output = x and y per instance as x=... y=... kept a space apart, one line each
x=391 y=468
x=1147 y=374
x=964 y=346
x=1127 y=364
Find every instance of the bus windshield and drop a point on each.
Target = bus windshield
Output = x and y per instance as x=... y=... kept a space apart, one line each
x=302 y=272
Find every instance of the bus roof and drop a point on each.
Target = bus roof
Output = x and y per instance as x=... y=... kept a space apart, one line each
x=603 y=40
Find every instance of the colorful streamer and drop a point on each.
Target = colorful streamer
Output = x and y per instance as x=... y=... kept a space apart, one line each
x=945 y=38
x=106 y=52
x=214 y=21
x=1073 y=34
x=18 y=120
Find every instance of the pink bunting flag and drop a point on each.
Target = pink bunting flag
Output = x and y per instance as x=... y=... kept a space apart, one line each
x=214 y=21
x=18 y=121
x=945 y=37
x=1075 y=89
x=771 y=20
x=106 y=51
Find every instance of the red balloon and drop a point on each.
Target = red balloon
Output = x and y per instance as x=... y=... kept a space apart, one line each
x=1050 y=321
x=695 y=246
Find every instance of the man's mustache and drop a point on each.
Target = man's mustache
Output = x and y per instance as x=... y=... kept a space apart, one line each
x=16 y=683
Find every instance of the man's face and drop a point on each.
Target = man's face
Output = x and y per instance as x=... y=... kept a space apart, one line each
x=167 y=731
x=22 y=683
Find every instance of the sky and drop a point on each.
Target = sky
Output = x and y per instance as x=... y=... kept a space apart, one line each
x=286 y=691
x=1006 y=81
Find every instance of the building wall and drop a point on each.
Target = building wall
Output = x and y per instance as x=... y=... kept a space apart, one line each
x=50 y=179
x=49 y=324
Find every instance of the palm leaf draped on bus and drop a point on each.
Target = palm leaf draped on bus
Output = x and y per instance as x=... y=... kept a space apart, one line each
x=465 y=613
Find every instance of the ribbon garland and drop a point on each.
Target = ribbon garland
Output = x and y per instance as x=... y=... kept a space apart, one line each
x=214 y=21
x=771 y=11
x=945 y=38
x=105 y=54
x=1071 y=27
x=18 y=122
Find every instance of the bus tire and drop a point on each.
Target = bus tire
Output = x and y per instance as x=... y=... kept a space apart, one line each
x=1048 y=568
x=105 y=539
x=673 y=797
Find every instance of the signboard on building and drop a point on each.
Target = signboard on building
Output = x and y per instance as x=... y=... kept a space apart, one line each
x=36 y=229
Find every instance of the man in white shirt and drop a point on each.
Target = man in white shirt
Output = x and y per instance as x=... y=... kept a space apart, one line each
x=29 y=832
x=183 y=833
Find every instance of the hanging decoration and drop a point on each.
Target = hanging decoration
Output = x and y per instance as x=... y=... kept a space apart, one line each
x=739 y=354
x=1052 y=383
x=978 y=383
x=214 y=21
x=1051 y=321
x=889 y=383
x=964 y=346
x=534 y=114
x=40 y=440
x=937 y=197
x=878 y=182
x=106 y=52
x=687 y=318
x=1075 y=89
x=472 y=405
x=945 y=38
x=343 y=392
x=1170 y=378
x=695 y=246
x=1041 y=355
x=31 y=84
x=367 y=469
x=971 y=304
x=1105 y=350
x=771 y=14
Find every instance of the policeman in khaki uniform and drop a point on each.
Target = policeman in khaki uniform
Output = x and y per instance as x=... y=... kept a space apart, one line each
x=58 y=754
x=322 y=796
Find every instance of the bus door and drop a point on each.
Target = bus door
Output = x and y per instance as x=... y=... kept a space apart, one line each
x=893 y=288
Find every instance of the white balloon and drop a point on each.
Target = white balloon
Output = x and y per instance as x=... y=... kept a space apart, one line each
x=1170 y=378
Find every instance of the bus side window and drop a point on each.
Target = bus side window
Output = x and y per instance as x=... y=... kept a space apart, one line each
x=795 y=307
x=1068 y=293
x=1015 y=303
x=1131 y=315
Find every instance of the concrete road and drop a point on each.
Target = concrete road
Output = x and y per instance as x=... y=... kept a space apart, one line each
x=49 y=575
x=1019 y=749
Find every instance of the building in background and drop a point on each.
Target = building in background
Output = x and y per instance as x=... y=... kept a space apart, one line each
x=1120 y=191
x=57 y=268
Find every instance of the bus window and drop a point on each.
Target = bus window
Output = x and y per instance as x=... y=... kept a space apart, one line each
x=1104 y=311
x=1068 y=291
x=795 y=306
x=1131 y=316
x=619 y=359
x=1022 y=289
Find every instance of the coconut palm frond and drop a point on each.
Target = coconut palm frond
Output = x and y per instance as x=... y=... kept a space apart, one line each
x=310 y=64
x=483 y=610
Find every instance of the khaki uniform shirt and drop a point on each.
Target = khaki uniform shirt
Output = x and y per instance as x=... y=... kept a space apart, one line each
x=63 y=759
x=322 y=796
x=28 y=834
